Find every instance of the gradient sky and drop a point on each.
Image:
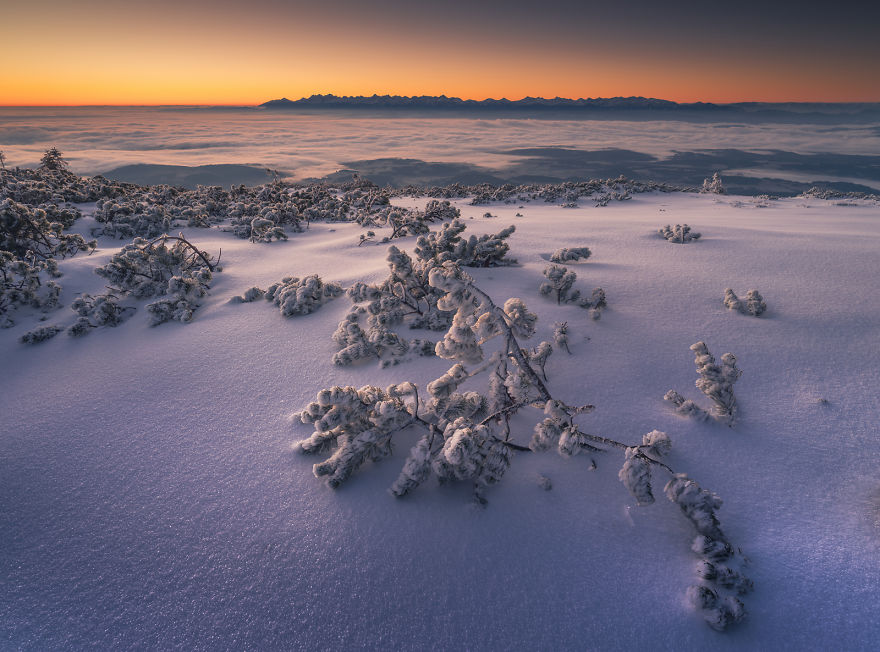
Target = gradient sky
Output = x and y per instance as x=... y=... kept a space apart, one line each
x=224 y=52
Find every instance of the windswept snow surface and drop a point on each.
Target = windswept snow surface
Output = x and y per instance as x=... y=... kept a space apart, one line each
x=151 y=499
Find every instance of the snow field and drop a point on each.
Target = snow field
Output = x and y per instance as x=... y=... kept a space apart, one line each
x=150 y=497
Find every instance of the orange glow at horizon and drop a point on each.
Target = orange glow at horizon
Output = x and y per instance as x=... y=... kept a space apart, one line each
x=230 y=57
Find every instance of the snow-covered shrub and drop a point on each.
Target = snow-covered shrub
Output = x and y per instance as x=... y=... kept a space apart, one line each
x=752 y=305
x=251 y=294
x=447 y=245
x=266 y=219
x=558 y=285
x=295 y=296
x=377 y=341
x=603 y=191
x=567 y=254
x=560 y=335
x=40 y=334
x=264 y=230
x=715 y=381
x=467 y=435
x=168 y=267
x=440 y=211
x=94 y=312
x=22 y=286
x=406 y=296
x=680 y=233
x=404 y=222
x=26 y=230
x=122 y=218
x=713 y=185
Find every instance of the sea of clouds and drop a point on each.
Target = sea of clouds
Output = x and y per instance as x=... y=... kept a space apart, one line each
x=301 y=145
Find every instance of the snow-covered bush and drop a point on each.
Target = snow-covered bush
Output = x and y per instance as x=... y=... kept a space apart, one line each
x=603 y=191
x=267 y=216
x=250 y=295
x=680 y=233
x=558 y=286
x=405 y=296
x=295 y=296
x=122 y=218
x=447 y=245
x=26 y=230
x=559 y=283
x=713 y=185
x=715 y=381
x=467 y=435
x=168 y=267
x=94 y=312
x=560 y=335
x=22 y=285
x=752 y=305
x=40 y=334
x=259 y=229
x=404 y=222
x=567 y=254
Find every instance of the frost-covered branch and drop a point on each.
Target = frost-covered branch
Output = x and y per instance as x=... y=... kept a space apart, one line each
x=466 y=435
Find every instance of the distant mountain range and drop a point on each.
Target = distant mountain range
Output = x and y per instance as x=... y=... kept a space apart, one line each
x=536 y=104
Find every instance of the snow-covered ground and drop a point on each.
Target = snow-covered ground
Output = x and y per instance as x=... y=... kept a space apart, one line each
x=149 y=496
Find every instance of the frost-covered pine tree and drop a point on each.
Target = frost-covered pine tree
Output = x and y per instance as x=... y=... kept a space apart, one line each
x=713 y=185
x=53 y=160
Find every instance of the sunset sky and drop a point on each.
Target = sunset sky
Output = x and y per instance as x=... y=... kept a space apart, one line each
x=222 y=52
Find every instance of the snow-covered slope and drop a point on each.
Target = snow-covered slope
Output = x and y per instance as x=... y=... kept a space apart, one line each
x=151 y=499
